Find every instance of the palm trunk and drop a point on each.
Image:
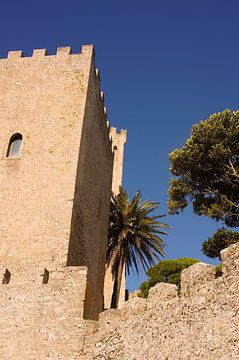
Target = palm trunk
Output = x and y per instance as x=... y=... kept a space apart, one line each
x=117 y=284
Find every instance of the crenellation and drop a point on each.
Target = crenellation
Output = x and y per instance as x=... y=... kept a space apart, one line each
x=123 y=135
x=63 y=51
x=97 y=73
x=13 y=55
x=198 y=322
x=101 y=97
x=87 y=51
x=123 y=132
x=39 y=53
x=97 y=80
x=113 y=131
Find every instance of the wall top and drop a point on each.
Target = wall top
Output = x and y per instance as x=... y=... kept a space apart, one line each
x=86 y=50
x=122 y=134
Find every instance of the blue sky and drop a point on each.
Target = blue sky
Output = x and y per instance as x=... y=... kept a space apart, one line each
x=164 y=65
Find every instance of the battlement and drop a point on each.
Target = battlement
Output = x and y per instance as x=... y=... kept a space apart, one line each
x=61 y=52
x=198 y=322
x=118 y=141
x=200 y=278
x=63 y=55
x=38 y=275
x=115 y=136
x=43 y=309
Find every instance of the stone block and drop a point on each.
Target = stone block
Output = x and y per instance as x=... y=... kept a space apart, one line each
x=196 y=275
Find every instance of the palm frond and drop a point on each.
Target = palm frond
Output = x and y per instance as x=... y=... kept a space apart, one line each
x=135 y=231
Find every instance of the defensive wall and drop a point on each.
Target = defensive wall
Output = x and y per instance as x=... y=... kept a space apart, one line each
x=199 y=322
x=41 y=314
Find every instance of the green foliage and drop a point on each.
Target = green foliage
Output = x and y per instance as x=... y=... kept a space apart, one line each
x=133 y=238
x=206 y=170
x=219 y=270
x=221 y=239
x=168 y=271
x=144 y=288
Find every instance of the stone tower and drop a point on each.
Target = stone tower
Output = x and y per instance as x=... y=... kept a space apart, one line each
x=56 y=164
x=118 y=143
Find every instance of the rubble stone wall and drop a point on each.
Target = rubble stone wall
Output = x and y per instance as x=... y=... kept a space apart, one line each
x=200 y=322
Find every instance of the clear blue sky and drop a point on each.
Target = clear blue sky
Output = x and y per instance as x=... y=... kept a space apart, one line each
x=165 y=65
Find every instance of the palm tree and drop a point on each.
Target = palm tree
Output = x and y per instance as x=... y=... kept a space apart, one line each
x=133 y=237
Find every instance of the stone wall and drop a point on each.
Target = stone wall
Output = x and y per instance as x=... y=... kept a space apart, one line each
x=55 y=196
x=42 y=97
x=118 y=143
x=200 y=322
x=90 y=219
x=41 y=314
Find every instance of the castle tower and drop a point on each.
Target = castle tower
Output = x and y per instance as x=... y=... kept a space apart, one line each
x=55 y=173
x=118 y=143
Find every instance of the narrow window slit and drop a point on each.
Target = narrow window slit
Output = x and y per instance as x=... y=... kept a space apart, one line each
x=6 y=277
x=45 y=276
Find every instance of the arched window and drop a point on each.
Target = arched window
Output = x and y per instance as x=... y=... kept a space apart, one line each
x=14 y=146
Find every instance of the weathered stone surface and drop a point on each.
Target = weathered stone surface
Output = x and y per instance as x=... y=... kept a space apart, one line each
x=202 y=323
x=49 y=196
x=54 y=203
x=43 y=321
x=230 y=262
x=196 y=275
x=55 y=195
x=118 y=143
x=163 y=292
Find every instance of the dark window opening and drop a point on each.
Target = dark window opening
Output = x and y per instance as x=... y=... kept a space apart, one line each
x=14 y=146
x=45 y=277
x=6 y=277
